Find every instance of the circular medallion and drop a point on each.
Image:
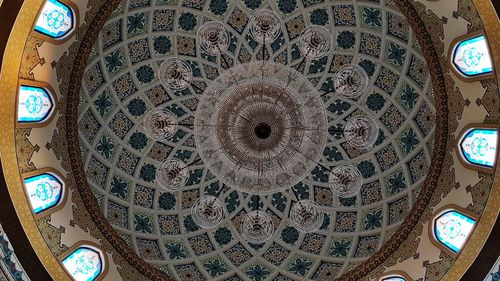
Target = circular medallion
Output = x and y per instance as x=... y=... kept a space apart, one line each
x=260 y=127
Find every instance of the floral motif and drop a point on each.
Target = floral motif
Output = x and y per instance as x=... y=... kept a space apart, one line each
x=289 y=234
x=375 y=102
x=114 y=61
x=253 y=4
x=143 y=223
x=119 y=187
x=136 y=23
x=340 y=248
x=300 y=266
x=136 y=107
x=396 y=183
x=287 y=6
x=105 y=146
x=103 y=103
x=346 y=40
x=187 y=21
x=166 y=201
x=218 y=7
x=409 y=140
x=257 y=272
x=396 y=54
x=145 y=74
x=215 y=267
x=223 y=236
x=162 y=44
x=319 y=17
x=372 y=220
x=138 y=140
x=148 y=172
x=371 y=17
x=176 y=250
x=409 y=96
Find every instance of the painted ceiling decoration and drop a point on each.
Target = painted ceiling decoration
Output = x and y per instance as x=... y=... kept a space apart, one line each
x=122 y=83
x=256 y=140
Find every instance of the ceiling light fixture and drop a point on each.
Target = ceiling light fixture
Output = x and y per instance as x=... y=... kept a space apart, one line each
x=261 y=127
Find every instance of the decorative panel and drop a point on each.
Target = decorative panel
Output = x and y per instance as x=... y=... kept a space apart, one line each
x=452 y=229
x=84 y=264
x=470 y=56
x=44 y=191
x=394 y=278
x=478 y=146
x=34 y=104
x=56 y=20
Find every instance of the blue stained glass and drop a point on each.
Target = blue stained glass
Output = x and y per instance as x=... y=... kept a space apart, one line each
x=34 y=104
x=472 y=58
x=479 y=147
x=56 y=19
x=44 y=191
x=394 y=278
x=84 y=264
x=452 y=229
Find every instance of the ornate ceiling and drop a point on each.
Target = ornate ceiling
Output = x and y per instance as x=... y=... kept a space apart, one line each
x=121 y=85
x=104 y=80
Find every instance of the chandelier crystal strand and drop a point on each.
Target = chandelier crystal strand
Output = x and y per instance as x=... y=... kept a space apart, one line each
x=345 y=181
x=361 y=131
x=257 y=227
x=172 y=175
x=350 y=81
x=315 y=41
x=213 y=38
x=175 y=74
x=207 y=211
x=160 y=124
x=306 y=216
x=260 y=135
x=265 y=26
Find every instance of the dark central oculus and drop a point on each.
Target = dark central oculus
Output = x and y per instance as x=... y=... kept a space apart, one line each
x=263 y=130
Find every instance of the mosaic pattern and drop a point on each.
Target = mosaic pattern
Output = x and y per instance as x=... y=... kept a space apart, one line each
x=121 y=85
x=10 y=266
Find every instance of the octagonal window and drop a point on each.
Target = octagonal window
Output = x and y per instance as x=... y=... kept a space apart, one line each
x=35 y=104
x=452 y=229
x=56 y=20
x=478 y=146
x=44 y=191
x=471 y=57
x=86 y=263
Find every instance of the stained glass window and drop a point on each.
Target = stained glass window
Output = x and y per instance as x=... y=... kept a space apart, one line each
x=84 y=264
x=471 y=57
x=34 y=104
x=479 y=146
x=452 y=228
x=44 y=191
x=56 y=19
x=393 y=278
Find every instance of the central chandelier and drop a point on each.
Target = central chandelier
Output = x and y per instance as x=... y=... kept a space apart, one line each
x=261 y=127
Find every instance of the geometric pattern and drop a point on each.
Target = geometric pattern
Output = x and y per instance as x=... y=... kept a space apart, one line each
x=121 y=85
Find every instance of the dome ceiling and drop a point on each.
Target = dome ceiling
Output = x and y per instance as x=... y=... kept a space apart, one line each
x=121 y=85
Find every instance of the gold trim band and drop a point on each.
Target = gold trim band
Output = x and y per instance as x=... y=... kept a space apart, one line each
x=8 y=87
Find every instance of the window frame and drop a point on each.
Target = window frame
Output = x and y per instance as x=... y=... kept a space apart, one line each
x=451 y=53
x=62 y=200
x=76 y=23
x=93 y=246
x=395 y=273
x=445 y=209
x=52 y=112
x=461 y=156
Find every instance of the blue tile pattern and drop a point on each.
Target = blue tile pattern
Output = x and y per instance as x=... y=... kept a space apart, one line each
x=121 y=85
